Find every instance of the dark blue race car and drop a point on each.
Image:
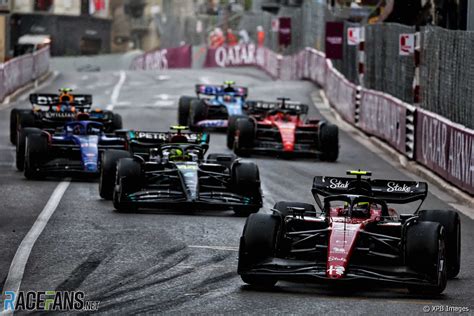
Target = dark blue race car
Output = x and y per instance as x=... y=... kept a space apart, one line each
x=213 y=106
x=71 y=150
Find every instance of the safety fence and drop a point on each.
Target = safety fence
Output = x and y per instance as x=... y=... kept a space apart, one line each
x=434 y=141
x=19 y=71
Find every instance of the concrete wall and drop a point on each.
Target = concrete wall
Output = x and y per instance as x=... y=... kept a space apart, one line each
x=23 y=6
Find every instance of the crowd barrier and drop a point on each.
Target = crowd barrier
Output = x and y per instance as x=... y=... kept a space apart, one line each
x=20 y=71
x=439 y=144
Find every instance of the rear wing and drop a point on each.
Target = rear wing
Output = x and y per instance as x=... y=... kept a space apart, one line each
x=219 y=89
x=79 y=100
x=390 y=191
x=256 y=107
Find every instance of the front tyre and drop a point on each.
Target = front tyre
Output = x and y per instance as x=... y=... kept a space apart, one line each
x=108 y=171
x=257 y=244
x=246 y=182
x=128 y=181
x=21 y=145
x=35 y=154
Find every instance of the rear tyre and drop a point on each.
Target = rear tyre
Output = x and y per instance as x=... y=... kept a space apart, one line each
x=184 y=106
x=245 y=131
x=117 y=121
x=128 y=181
x=231 y=128
x=452 y=226
x=197 y=113
x=426 y=254
x=258 y=243
x=246 y=182
x=108 y=171
x=21 y=144
x=36 y=154
x=283 y=206
x=329 y=142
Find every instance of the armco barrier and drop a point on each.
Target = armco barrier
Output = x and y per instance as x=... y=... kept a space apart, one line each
x=385 y=116
x=22 y=70
x=340 y=93
x=177 y=57
x=446 y=148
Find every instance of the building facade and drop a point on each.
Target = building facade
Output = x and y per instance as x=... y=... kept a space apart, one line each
x=76 y=27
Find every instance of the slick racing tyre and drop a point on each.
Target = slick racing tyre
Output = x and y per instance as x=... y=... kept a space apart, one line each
x=452 y=226
x=258 y=242
x=245 y=131
x=117 y=121
x=246 y=182
x=426 y=254
x=19 y=119
x=197 y=113
x=21 y=144
x=108 y=170
x=329 y=142
x=36 y=153
x=231 y=128
x=184 y=106
x=128 y=181
x=283 y=208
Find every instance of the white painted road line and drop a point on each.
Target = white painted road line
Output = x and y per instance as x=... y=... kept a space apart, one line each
x=216 y=247
x=116 y=92
x=17 y=267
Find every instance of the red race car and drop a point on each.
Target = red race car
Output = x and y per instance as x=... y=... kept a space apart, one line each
x=281 y=127
x=355 y=237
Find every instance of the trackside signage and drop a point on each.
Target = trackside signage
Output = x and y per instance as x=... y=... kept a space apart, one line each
x=446 y=148
x=383 y=116
x=238 y=55
x=177 y=57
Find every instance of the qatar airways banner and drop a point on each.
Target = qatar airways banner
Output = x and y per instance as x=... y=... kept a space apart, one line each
x=238 y=55
x=160 y=59
x=385 y=117
x=446 y=148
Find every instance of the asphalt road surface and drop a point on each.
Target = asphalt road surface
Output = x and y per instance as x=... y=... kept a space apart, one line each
x=154 y=262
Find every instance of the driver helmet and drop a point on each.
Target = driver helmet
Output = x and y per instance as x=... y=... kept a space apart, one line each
x=177 y=154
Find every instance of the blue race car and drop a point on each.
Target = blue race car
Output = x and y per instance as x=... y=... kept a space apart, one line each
x=213 y=106
x=73 y=149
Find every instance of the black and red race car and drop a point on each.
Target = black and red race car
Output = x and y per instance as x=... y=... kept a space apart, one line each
x=355 y=236
x=282 y=127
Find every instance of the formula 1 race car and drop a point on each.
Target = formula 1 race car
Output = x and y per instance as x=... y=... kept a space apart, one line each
x=212 y=107
x=53 y=110
x=167 y=170
x=355 y=237
x=281 y=127
x=71 y=150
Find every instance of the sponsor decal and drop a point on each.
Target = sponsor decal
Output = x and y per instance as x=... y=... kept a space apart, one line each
x=395 y=187
x=149 y=135
x=338 y=250
x=48 y=301
x=338 y=184
x=339 y=270
x=235 y=55
x=213 y=123
x=332 y=258
x=59 y=114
